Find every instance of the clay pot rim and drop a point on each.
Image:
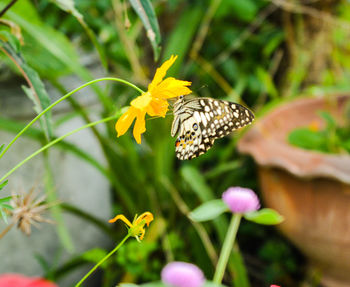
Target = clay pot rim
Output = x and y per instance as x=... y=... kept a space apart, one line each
x=336 y=166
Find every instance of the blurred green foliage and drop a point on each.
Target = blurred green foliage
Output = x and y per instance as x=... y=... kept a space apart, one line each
x=333 y=138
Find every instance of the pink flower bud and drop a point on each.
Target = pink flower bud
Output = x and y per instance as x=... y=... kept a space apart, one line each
x=182 y=274
x=241 y=200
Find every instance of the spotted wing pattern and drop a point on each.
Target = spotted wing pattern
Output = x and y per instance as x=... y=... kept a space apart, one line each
x=200 y=121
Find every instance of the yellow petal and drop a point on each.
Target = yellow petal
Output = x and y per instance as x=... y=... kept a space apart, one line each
x=122 y=218
x=158 y=107
x=160 y=73
x=140 y=126
x=146 y=216
x=171 y=88
x=125 y=121
x=142 y=102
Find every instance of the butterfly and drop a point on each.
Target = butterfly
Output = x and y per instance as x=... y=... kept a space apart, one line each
x=200 y=121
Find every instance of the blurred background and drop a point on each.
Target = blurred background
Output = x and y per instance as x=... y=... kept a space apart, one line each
x=262 y=54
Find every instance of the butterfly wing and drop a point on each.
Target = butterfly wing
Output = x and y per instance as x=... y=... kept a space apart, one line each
x=190 y=142
x=200 y=121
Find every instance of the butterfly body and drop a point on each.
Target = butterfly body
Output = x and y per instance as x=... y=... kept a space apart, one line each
x=200 y=121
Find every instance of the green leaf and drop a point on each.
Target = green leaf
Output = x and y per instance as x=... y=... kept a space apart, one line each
x=5 y=199
x=212 y=284
x=145 y=11
x=197 y=182
x=2 y=147
x=209 y=210
x=331 y=123
x=94 y=255
x=264 y=216
x=2 y=185
x=308 y=139
x=3 y=215
x=69 y=7
x=244 y=10
x=181 y=38
x=241 y=277
x=267 y=82
x=36 y=92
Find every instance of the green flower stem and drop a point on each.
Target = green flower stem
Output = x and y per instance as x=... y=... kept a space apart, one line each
x=227 y=247
x=45 y=147
x=103 y=260
x=60 y=100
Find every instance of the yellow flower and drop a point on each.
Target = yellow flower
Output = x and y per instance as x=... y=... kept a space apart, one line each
x=153 y=102
x=136 y=228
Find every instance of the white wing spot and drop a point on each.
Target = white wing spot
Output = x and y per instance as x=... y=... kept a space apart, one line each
x=208 y=117
x=236 y=114
x=206 y=108
x=197 y=116
x=204 y=120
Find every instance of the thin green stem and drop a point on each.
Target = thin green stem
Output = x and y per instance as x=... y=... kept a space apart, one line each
x=103 y=260
x=45 y=147
x=227 y=247
x=60 y=100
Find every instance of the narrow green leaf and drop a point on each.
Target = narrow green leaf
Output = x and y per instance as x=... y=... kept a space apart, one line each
x=264 y=216
x=2 y=185
x=94 y=255
x=212 y=284
x=197 y=182
x=2 y=147
x=5 y=199
x=69 y=7
x=54 y=44
x=3 y=215
x=181 y=38
x=154 y=284
x=7 y=206
x=331 y=123
x=209 y=210
x=241 y=275
x=145 y=11
x=36 y=92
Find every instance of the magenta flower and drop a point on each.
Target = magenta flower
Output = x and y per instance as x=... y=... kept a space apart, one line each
x=182 y=274
x=241 y=200
x=18 y=280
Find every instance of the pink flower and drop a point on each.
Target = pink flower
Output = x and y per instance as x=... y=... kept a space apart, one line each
x=182 y=274
x=18 y=280
x=274 y=286
x=241 y=200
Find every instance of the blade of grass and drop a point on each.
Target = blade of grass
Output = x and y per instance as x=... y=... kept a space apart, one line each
x=145 y=11
x=181 y=38
x=36 y=91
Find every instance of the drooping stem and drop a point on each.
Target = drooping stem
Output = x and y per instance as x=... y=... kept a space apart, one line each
x=60 y=100
x=227 y=247
x=102 y=260
x=45 y=147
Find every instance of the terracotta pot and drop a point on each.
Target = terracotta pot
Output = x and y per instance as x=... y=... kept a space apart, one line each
x=311 y=189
